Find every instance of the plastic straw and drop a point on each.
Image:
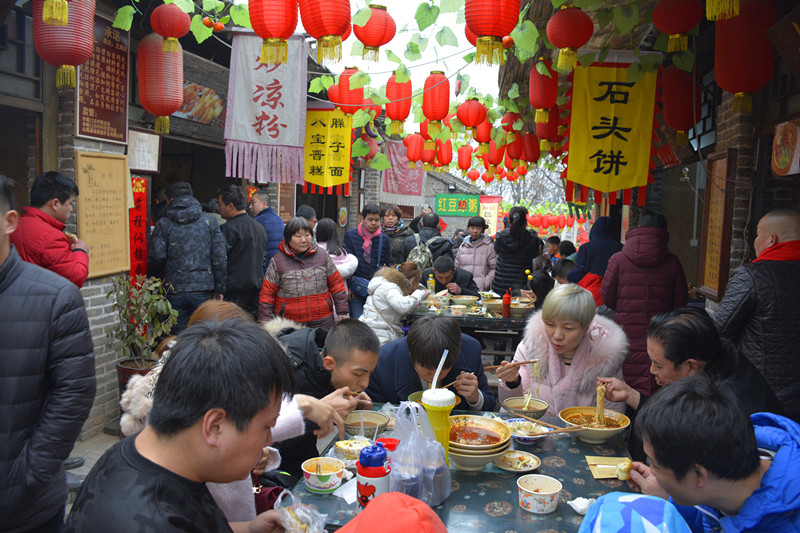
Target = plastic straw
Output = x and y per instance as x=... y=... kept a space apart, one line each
x=439 y=370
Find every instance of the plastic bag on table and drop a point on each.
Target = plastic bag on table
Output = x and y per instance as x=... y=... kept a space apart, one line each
x=419 y=468
x=299 y=517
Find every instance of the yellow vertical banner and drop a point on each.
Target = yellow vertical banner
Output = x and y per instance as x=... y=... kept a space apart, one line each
x=327 y=147
x=611 y=128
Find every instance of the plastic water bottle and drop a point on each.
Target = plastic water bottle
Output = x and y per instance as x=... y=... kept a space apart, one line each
x=372 y=474
x=431 y=284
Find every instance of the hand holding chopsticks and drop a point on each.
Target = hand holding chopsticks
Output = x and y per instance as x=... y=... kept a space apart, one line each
x=519 y=363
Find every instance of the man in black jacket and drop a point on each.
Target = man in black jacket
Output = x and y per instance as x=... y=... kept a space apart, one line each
x=447 y=276
x=246 y=244
x=190 y=248
x=47 y=382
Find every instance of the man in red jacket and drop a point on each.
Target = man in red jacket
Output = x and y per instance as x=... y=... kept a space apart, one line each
x=40 y=237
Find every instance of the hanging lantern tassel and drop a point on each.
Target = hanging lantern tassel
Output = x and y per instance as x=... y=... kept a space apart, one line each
x=545 y=145
x=274 y=51
x=396 y=127
x=170 y=45
x=412 y=164
x=722 y=9
x=542 y=116
x=329 y=49
x=742 y=103
x=371 y=53
x=55 y=12
x=162 y=125
x=489 y=51
x=678 y=42
x=567 y=59
x=65 y=77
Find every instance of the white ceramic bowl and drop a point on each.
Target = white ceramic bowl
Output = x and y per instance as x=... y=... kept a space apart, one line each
x=460 y=299
x=527 y=439
x=327 y=481
x=473 y=462
x=458 y=310
x=352 y=423
x=538 y=494
x=595 y=435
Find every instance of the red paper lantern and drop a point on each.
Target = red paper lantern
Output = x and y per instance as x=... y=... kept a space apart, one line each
x=428 y=157
x=471 y=37
x=495 y=155
x=507 y=123
x=436 y=100
x=65 y=46
x=430 y=143
x=514 y=148
x=374 y=110
x=537 y=221
x=530 y=148
x=272 y=20
x=508 y=162
x=569 y=29
x=399 y=105
x=379 y=30
x=444 y=153
x=483 y=134
x=548 y=131
x=676 y=18
x=570 y=221
x=679 y=91
x=464 y=159
x=562 y=221
x=351 y=99
x=373 y=147
x=333 y=95
x=511 y=176
x=743 y=54
x=522 y=170
x=486 y=177
x=543 y=90
x=326 y=21
x=473 y=174
x=471 y=113
x=414 y=144
x=347 y=33
x=171 y=23
x=490 y=21
x=160 y=77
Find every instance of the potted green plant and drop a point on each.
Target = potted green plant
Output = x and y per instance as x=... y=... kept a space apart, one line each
x=145 y=316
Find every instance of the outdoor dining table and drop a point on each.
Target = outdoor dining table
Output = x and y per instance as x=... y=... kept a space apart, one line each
x=487 y=501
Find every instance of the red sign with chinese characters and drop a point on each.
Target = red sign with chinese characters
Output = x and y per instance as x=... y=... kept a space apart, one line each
x=101 y=106
x=138 y=227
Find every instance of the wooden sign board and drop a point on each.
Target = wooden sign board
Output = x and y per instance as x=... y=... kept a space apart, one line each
x=785 y=36
x=715 y=250
x=103 y=210
x=286 y=192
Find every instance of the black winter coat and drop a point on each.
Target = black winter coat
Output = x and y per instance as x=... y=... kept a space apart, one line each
x=515 y=255
x=439 y=247
x=380 y=252
x=759 y=314
x=190 y=248
x=246 y=242
x=47 y=387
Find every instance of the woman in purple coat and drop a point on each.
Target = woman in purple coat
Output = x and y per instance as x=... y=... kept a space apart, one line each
x=642 y=280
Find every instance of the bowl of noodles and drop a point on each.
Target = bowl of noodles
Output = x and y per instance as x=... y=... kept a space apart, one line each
x=597 y=432
x=520 y=406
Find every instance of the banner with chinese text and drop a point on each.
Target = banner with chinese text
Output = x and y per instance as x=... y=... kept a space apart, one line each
x=458 y=205
x=402 y=185
x=327 y=147
x=138 y=227
x=610 y=137
x=490 y=211
x=265 y=126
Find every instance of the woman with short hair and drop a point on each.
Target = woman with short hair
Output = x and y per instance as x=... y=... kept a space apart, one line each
x=392 y=226
x=573 y=347
x=301 y=282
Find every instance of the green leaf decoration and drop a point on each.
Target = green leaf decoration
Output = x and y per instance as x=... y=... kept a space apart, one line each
x=522 y=55
x=446 y=37
x=419 y=116
x=391 y=56
x=546 y=41
x=199 y=30
x=225 y=19
x=469 y=58
x=360 y=148
x=426 y=15
x=420 y=41
x=360 y=117
x=526 y=40
x=357 y=49
x=378 y=97
x=635 y=73
x=684 y=60
x=662 y=41
x=589 y=5
x=213 y=6
x=461 y=17
x=358 y=80
x=456 y=126
x=241 y=15
x=327 y=81
x=187 y=6
x=542 y=69
x=586 y=59
x=316 y=86
x=361 y=17
x=464 y=78
x=603 y=53
x=498 y=136
x=625 y=18
x=451 y=6
x=444 y=134
x=495 y=114
x=402 y=74
x=513 y=92
x=412 y=51
x=381 y=162
x=650 y=62
x=558 y=3
x=124 y=18
x=519 y=124
x=604 y=16
x=512 y=106
x=488 y=101
x=523 y=13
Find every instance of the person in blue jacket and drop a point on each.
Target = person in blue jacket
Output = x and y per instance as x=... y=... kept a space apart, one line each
x=723 y=470
x=408 y=365
x=373 y=250
x=266 y=216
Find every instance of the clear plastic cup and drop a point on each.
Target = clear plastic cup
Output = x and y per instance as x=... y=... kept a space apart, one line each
x=438 y=404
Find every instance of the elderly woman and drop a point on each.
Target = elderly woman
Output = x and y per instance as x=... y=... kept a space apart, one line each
x=573 y=346
x=302 y=282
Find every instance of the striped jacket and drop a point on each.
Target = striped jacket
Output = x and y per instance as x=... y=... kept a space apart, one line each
x=307 y=289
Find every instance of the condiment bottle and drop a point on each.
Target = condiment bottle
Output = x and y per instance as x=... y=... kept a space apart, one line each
x=431 y=284
x=372 y=474
x=438 y=403
x=390 y=445
x=507 y=304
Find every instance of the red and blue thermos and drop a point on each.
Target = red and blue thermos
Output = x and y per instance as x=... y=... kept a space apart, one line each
x=372 y=474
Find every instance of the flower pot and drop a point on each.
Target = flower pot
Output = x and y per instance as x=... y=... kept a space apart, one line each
x=126 y=368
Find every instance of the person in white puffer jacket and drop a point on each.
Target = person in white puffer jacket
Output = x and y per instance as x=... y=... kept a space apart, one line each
x=393 y=292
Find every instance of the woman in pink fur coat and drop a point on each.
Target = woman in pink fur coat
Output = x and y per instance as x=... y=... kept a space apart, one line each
x=573 y=346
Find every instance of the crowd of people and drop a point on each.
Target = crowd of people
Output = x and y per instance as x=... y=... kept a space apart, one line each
x=283 y=330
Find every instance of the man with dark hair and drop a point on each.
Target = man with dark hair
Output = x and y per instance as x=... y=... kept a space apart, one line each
x=338 y=375
x=448 y=277
x=190 y=248
x=48 y=383
x=214 y=405
x=414 y=224
x=40 y=238
x=408 y=364
x=372 y=248
x=273 y=224
x=758 y=312
x=307 y=212
x=552 y=248
x=562 y=268
x=726 y=472
x=429 y=235
x=246 y=242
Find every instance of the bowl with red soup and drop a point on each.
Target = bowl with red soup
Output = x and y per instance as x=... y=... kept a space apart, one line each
x=596 y=432
x=470 y=433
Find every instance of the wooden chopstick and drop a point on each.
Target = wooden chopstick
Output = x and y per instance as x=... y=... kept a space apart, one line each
x=519 y=363
x=557 y=429
x=540 y=422
x=448 y=385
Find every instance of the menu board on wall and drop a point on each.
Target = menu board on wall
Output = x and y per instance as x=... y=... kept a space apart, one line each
x=286 y=200
x=101 y=106
x=716 y=247
x=103 y=210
